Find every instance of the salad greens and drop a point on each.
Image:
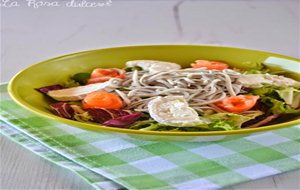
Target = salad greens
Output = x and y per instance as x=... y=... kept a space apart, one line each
x=70 y=83
x=85 y=117
x=81 y=78
x=278 y=107
x=151 y=101
x=257 y=68
x=279 y=100
x=130 y=69
x=216 y=125
x=290 y=95
x=233 y=119
x=218 y=122
x=262 y=68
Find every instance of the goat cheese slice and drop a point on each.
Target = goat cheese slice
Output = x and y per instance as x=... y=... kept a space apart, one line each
x=257 y=80
x=154 y=66
x=173 y=111
x=79 y=92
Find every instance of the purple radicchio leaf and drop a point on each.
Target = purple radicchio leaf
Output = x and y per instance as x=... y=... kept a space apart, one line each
x=63 y=109
x=123 y=121
x=100 y=115
x=46 y=89
x=118 y=113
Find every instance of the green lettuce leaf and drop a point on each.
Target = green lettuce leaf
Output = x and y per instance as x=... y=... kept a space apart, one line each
x=266 y=90
x=217 y=122
x=222 y=125
x=217 y=125
x=263 y=68
x=84 y=117
x=257 y=68
x=278 y=107
x=81 y=78
x=232 y=119
x=290 y=95
x=70 y=83
x=279 y=100
x=142 y=124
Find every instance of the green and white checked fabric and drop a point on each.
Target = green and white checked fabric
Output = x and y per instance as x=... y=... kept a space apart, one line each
x=136 y=164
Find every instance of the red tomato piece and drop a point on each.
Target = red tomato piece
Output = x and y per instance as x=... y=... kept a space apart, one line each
x=102 y=99
x=238 y=104
x=210 y=65
x=103 y=75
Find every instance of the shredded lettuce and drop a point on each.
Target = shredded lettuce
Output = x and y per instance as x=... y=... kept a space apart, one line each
x=150 y=125
x=257 y=68
x=262 y=68
x=153 y=127
x=84 y=117
x=266 y=90
x=217 y=122
x=222 y=125
x=217 y=125
x=234 y=120
x=70 y=83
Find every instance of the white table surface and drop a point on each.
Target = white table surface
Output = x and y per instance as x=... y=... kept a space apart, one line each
x=30 y=35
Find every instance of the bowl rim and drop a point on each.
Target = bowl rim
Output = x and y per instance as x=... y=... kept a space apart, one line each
x=94 y=127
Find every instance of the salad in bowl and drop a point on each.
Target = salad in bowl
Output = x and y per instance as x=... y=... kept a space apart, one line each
x=155 y=95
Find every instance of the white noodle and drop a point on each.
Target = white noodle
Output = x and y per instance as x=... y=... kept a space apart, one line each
x=200 y=87
x=123 y=96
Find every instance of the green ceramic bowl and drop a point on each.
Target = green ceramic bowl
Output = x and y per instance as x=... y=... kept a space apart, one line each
x=58 y=70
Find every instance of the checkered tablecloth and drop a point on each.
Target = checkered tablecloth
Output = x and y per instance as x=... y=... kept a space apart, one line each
x=110 y=162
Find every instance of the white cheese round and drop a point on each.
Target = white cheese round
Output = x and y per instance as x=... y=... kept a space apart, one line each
x=173 y=111
x=153 y=66
x=257 y=80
